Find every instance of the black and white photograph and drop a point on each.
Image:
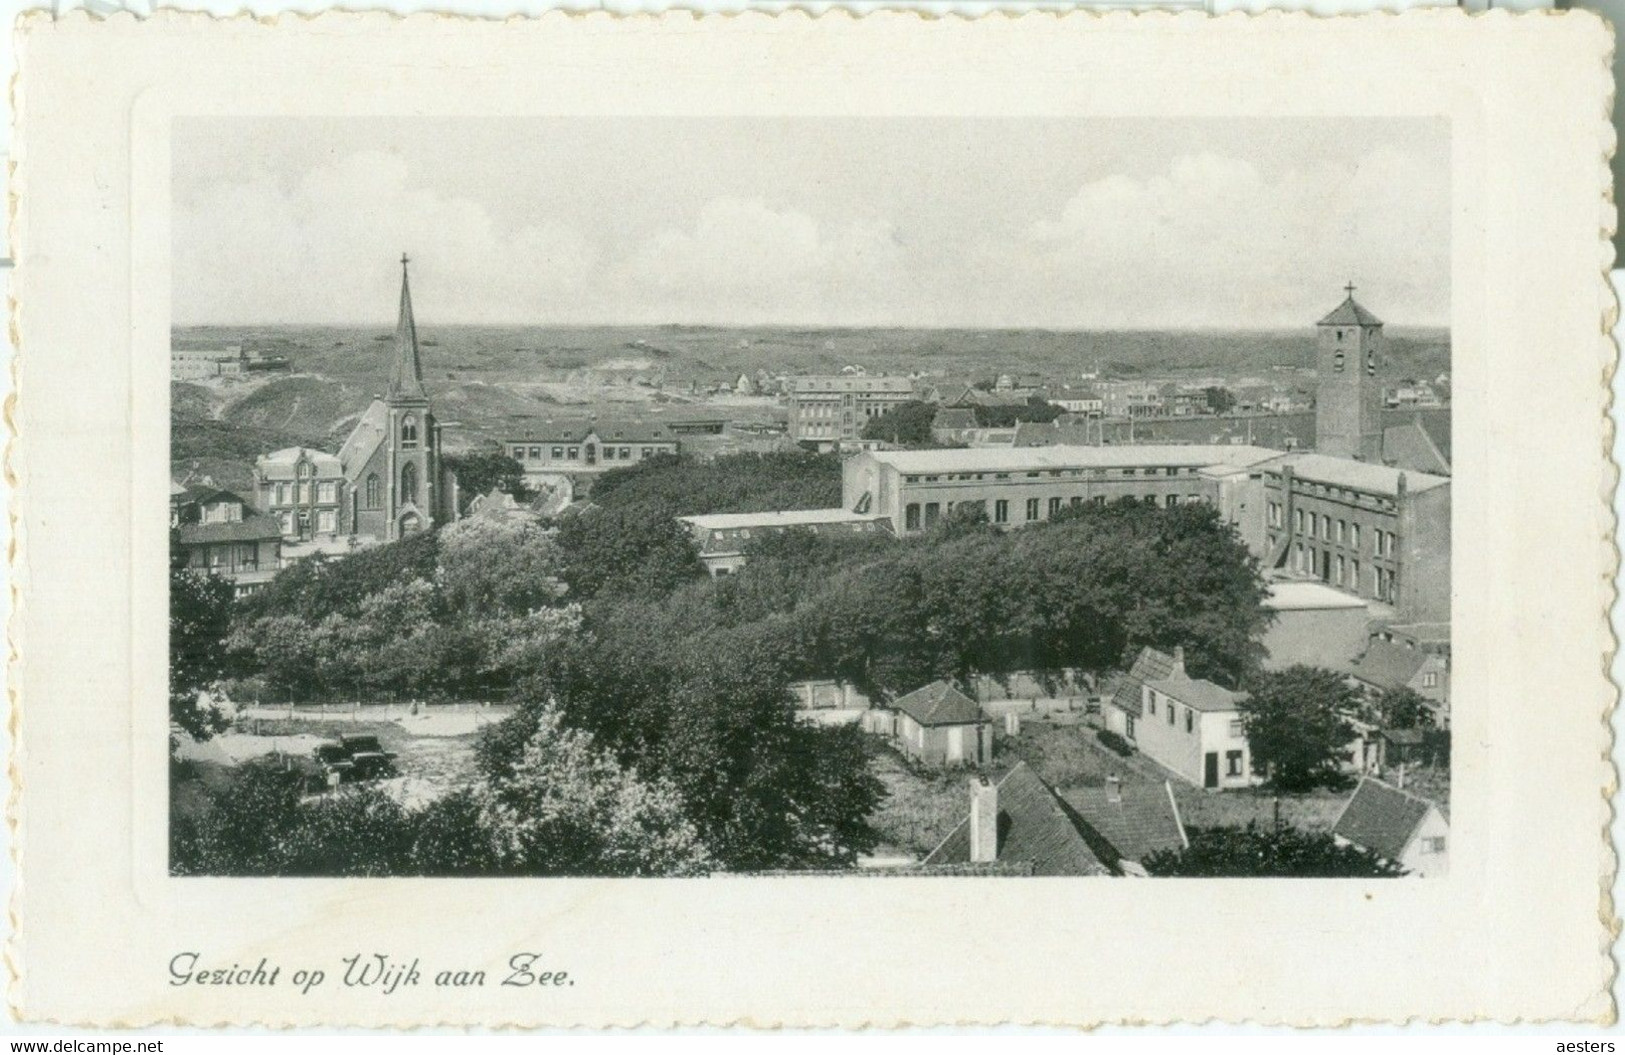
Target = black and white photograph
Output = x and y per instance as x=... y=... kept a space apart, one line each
x=881 y=496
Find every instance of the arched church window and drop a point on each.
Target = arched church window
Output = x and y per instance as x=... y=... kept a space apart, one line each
x=1371 y=363
x=1337 y=363
x=409 y=431
x=374 y=497
x=409 y=483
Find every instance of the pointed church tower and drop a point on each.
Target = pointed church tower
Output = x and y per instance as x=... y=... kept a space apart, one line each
x=1348 y=395
x=413 y=436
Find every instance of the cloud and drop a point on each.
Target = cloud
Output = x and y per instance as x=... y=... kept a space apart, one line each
x=744 y=260
x=1212 y=241
x=323 y=250
x=1203 y=239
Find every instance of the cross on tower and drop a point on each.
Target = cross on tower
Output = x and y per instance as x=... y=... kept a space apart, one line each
x=1348 y=288
x=404 y=260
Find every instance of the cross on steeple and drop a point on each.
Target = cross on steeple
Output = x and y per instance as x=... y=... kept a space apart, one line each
x=1348 y=288
x=404 y=261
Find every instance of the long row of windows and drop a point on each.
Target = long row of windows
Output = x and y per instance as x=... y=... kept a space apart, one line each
x=327 y=492
x=1327 y=528
x=609 y=453
x=1340 y=570
x=918 y=514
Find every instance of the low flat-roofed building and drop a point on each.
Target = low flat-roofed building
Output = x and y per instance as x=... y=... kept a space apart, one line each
x=1314 y=625
x=1022 y=485
x=723 y=537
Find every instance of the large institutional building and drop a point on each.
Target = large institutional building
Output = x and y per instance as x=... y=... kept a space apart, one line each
x=829 y=412
x=386 y=481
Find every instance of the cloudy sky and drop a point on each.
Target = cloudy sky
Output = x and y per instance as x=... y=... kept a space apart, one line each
x=1059 y=223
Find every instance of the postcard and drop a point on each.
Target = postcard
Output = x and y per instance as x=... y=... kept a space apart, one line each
x=812 y=521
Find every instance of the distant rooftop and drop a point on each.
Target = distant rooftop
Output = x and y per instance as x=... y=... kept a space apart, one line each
x=1195 y=693
x=849 y=383
x=1013 y=459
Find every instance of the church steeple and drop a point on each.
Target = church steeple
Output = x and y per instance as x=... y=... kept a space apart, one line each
x=406 y=375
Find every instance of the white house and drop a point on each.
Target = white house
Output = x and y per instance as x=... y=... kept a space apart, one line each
x=1188 y=725
x=1396 y=825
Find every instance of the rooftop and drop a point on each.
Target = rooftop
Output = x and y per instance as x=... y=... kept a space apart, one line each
x=282 y=462
x=1350 y=313
x=939 y=703
x=1017 y=459
x=785 y=518
x=1359 y=476
x=577 y=430
x=1136 y=820
x=1195 y=693
x=1381 y=818
x=1035 y=828
x=256 y=527
x=1388 y=665
x=845 y=383
x=1150 y=665
x=1307 y=596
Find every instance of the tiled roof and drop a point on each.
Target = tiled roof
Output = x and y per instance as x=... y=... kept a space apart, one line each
x=254 y=528
x=1136 y=821
x=1057 y=434
x=1359 y=476
x=1035 y=827
x=1195 y=693
x=939 y=703
x=1349 y=313
x=1388 y=665
x=1149 y=665
x=1381 y=818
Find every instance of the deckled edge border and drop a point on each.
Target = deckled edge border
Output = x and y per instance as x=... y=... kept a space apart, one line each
x=12 y=453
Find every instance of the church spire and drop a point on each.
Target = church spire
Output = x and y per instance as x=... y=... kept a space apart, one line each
x=406 y=376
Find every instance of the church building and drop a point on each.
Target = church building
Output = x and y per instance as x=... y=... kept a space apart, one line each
x=387 y=480
x=1348 y=400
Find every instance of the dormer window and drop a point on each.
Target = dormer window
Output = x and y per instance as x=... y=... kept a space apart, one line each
x=409 y=431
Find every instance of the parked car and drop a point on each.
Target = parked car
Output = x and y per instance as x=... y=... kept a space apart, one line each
x=352 y=758
x=368 y=759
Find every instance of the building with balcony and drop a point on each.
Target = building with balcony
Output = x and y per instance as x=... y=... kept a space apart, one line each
x=217 y=532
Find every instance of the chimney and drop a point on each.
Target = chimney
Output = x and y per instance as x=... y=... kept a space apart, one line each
x=1179 y=659
x=1114 y=788
x=984 y=821
x=1399 y=781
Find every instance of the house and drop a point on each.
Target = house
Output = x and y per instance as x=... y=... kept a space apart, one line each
x=1396 y=825
x=1130 y=822
x=497 y=504
x=940 y=726
x=954 y=424
x=1125 y=705
x=215 y=531
x=1390 y=665
x=1019 y=826
x=1187 y=725
x=723 y=537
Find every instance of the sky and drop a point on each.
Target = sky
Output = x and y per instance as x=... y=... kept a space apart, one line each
x=1060 y=223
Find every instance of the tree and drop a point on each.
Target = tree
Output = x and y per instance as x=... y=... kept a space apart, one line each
x=1220 y=400
x=735 y=483
x=480 y=471
x=568 y=808
x=1254 y=851
x=626 y=551
x=492 y=567
x=200 y=609
x=1003 y=416
x=1401 y=708
x=1296 y=723
x=907 y=424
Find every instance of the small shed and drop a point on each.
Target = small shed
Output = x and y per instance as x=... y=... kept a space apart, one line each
x=940 y=726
